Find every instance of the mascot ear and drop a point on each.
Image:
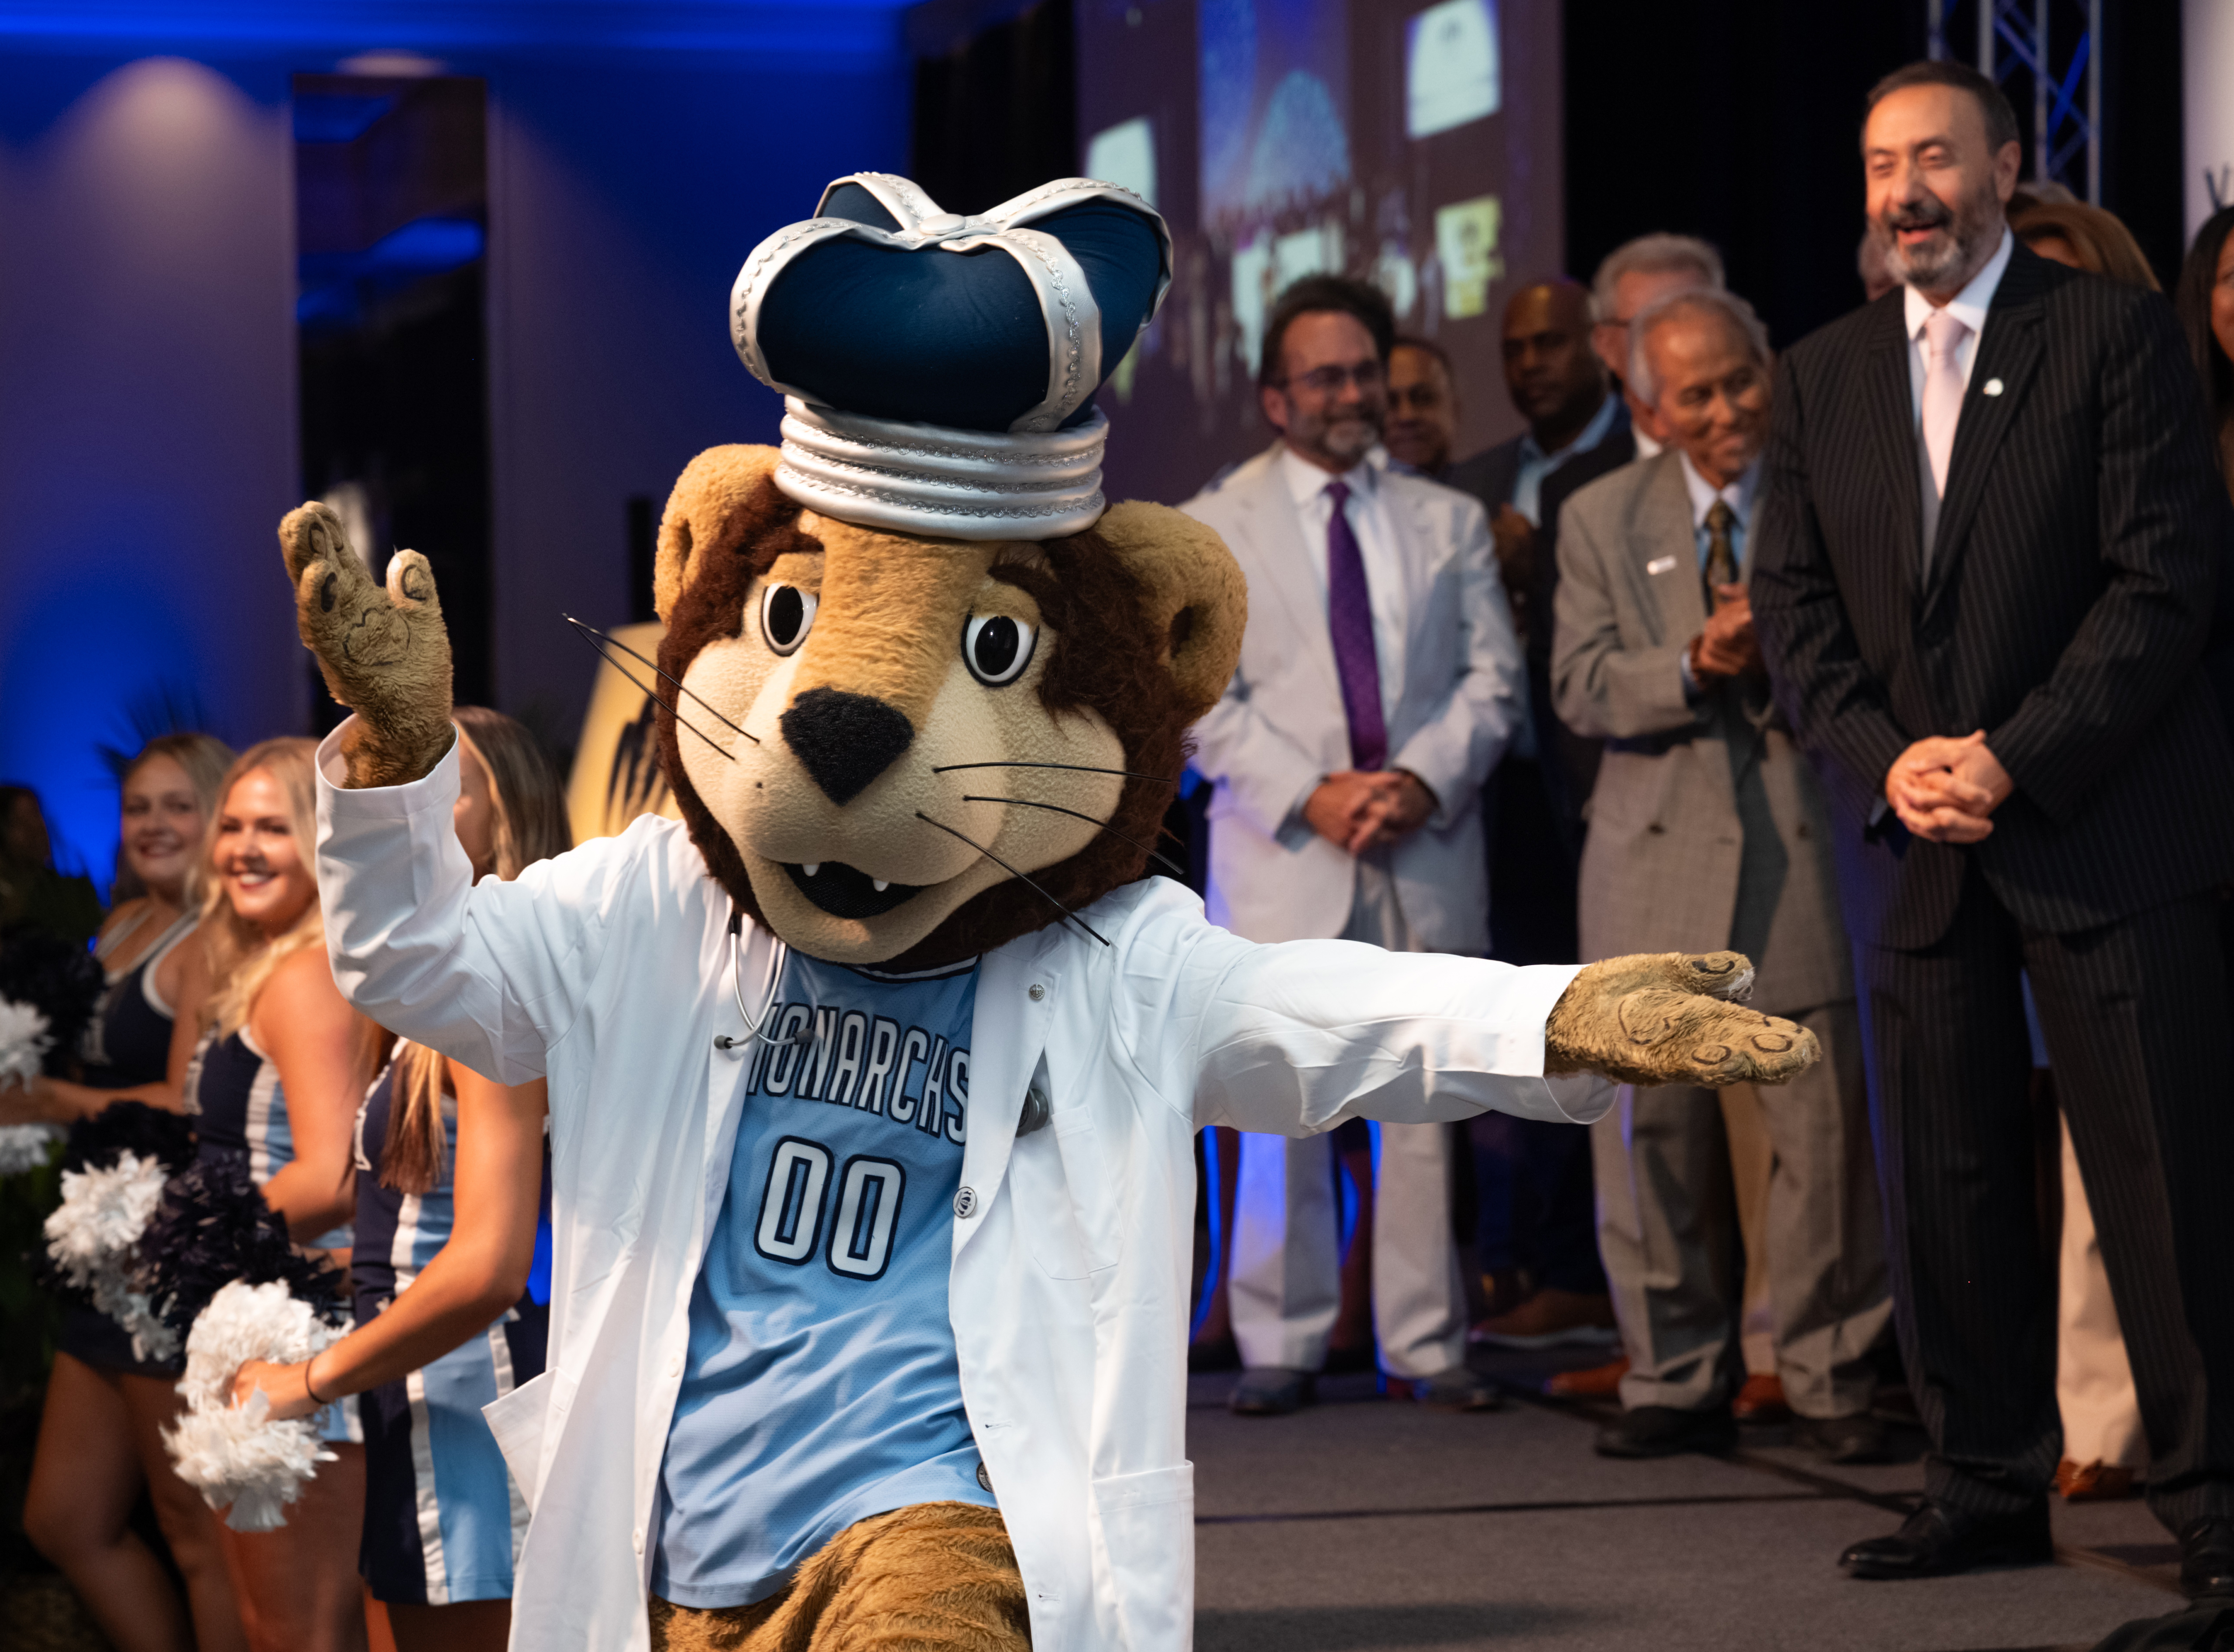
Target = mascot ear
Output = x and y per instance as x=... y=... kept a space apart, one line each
x=1197 y=597
x=724 y=498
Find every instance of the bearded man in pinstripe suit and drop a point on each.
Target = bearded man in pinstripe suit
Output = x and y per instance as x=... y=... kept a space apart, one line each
x=1990 y=536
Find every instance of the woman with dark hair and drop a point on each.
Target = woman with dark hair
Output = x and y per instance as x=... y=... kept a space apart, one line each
x=99 y=1442
x=450 y=1180
x=2205 y=299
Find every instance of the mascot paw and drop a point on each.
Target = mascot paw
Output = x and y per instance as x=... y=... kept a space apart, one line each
x=384 y=653
x=1669 y=1018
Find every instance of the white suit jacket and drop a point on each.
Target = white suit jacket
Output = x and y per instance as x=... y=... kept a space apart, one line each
x=1280 y=727
x=609 y=970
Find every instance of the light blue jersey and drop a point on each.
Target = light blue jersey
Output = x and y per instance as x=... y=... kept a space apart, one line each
x=821 y=1386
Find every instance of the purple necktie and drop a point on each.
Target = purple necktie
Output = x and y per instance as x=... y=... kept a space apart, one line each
x=1349 y=617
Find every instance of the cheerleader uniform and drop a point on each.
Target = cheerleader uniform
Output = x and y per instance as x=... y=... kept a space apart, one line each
x=127 y=1043
x=233 y=1088
x=442 y=1519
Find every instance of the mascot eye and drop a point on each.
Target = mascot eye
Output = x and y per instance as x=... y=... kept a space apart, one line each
x=787 y=615
x=996 y=649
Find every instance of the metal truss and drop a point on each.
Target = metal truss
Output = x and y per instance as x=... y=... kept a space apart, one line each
x=2052 y=49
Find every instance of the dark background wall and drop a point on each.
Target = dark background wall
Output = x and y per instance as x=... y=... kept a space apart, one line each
x=1734 y=120
x=148 y=418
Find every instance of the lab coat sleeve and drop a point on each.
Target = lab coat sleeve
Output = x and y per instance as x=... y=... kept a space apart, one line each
x=492 y=974
x=1293 y=1039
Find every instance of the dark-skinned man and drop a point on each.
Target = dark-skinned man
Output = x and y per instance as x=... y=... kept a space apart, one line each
x=1537 y=1240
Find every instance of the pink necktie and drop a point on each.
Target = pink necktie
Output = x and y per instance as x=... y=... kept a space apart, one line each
x=1943 y=391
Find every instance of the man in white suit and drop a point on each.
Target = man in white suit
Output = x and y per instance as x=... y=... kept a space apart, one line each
x=1379 y=681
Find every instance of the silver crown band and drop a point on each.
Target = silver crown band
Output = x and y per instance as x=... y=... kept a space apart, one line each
x=945 y=483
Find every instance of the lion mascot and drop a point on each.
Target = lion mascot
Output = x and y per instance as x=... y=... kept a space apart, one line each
x=873 y=1081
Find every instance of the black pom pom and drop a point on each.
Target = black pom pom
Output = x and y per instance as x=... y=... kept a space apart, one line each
x=212 y=1228
x=130 y=1126
x=59 y=980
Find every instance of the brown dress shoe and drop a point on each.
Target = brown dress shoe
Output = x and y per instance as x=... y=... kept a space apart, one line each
x=2093 y=1482
x=1593 y=1382
x=1551 y=1319
x=1761 y=1400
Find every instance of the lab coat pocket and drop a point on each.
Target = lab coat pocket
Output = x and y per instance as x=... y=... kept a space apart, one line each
x=1148 y=1533
x=1045 y=1209
x=520 y=1420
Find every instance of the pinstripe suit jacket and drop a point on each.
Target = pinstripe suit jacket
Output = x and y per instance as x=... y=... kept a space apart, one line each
x=2063 y=609
x=1685 y=789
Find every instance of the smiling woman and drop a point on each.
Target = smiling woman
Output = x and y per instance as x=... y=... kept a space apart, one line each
x=280 y=1064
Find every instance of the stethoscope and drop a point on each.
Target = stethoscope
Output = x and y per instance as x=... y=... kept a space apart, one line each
x=756 y=1026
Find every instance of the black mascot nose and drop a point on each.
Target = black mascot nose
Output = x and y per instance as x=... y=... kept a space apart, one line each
x=844 y=739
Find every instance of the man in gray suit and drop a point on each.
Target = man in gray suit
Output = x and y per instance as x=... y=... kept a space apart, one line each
x=1706 y=830
x=1379 y=684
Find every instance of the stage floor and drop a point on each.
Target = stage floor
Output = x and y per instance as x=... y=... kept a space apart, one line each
x=1361 y=1524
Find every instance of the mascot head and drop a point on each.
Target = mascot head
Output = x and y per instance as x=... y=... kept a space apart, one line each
x=936 y=694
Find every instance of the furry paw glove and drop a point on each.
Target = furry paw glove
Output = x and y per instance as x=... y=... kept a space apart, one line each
x=1672 y=1018
x=384 y=653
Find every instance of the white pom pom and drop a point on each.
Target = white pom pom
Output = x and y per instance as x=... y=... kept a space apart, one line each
x=24 y=1041
x=26 y=1146
x=91 y=1235
x=104 y=1211
x=237 y=1456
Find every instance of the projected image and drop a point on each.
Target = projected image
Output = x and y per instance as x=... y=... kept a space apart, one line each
x=1415 y=144
x=1450 y=66
x=1275 y=80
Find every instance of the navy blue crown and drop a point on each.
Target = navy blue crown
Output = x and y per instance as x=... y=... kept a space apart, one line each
x=940 y=370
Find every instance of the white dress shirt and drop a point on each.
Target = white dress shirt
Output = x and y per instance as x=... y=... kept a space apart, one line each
x=1376 y=544
x=1969 y=307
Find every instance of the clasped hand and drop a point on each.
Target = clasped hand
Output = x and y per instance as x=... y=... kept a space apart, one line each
x=1946 y=790
x=1726 y=648
x=1357 y=810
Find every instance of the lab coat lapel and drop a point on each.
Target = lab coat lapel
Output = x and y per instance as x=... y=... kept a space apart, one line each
x=1016 y=988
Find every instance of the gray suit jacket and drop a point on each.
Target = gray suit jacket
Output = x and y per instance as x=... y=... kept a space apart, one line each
x=1707 y=828
x=1280 y=728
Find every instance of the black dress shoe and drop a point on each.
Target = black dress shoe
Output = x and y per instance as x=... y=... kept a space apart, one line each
x=2206 y=1557
x=1857 y=1438
x=1665 y=1431
x=1271 y=1391
x=1939 y=1538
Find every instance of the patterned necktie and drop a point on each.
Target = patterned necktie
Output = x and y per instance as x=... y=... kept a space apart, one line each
x=1721 y=559
x=1349 y=617
x=1943 y=391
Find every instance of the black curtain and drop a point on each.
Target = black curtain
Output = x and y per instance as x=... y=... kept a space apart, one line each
x=996 y=99
x=1740 y=121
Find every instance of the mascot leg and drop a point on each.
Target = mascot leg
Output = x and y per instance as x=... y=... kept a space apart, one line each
x=936 y=1577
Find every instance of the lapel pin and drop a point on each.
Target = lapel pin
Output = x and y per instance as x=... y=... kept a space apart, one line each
x=1993 y=386
x=1660 y=564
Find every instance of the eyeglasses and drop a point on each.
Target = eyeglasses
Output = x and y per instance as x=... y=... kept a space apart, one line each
x=1328 y=381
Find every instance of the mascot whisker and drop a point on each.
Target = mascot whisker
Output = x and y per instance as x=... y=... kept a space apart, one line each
x=869 y=1311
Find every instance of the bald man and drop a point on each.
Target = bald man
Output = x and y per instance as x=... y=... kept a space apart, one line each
x=1537 y=1236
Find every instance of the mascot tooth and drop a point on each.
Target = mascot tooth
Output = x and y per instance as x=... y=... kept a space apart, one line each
x=873 y=1081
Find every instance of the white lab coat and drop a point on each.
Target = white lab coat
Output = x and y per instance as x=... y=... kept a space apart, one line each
x=608 y=970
